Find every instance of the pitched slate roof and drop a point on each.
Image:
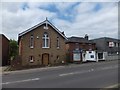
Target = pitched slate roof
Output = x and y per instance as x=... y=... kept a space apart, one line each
x=102 y=44
x=44 y=22
x=78 y=40
x=106 y=38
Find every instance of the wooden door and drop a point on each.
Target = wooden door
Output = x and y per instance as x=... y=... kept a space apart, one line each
x=45 y=59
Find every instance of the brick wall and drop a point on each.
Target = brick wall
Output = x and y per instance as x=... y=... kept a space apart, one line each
x=37 y=51
x=5 y=50
x=83 y=46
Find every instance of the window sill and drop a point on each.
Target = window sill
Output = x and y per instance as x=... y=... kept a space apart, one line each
x=31 y=61
x=58 y=47
x=45 y=47
x=31 y=47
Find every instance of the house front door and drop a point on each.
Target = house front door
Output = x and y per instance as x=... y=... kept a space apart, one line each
x=45 y=59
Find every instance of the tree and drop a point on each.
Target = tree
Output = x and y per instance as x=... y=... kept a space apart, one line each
x=13 y=49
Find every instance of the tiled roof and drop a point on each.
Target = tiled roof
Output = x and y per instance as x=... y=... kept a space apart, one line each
x=106 y=38
x=78 y=40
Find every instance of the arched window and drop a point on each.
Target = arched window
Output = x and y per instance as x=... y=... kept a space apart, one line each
x=31 y=41
x=31 y=59
x=58 y=42
x=45 y=39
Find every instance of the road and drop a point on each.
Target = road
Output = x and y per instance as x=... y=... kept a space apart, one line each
x=87 y=75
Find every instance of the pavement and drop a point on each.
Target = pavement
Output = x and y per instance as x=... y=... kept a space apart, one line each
x=2 y=69
x=87 y=75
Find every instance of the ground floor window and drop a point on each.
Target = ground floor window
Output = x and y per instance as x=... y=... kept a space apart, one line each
x=76 y=56
x=92 y=56
x=112 y=53
x=57 y=57
x=100 y=55
x=31 y=59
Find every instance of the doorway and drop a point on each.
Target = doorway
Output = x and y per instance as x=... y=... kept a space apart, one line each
x=100 y=56
x=45 y=59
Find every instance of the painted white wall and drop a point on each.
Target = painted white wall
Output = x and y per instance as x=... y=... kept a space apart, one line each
x=90 y=56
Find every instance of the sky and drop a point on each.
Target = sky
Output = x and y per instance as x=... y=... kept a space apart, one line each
x=97 y=19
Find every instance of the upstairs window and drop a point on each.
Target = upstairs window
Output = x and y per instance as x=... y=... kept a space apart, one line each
x=58 y=42
x=111 y=44
x=76 y=46
x=45 y=39
x=31 y=41
x=116 y=44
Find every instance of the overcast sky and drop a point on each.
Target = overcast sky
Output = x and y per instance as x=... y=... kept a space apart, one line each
x=97 y=19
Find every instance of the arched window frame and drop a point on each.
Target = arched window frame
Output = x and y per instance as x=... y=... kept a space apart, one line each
x=46 y=40
x=31 y=59
x=31 y=41
x=58 y=42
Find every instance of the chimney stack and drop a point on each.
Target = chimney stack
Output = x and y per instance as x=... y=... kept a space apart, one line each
x=86 y=37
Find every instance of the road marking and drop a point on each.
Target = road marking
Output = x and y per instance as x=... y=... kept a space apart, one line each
x=27 y=80
x=87 y=71
x=110 y=67
x=66 y=74
x=72 y=73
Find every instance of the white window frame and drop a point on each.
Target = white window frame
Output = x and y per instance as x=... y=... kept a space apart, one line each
x=31 y=59
x=45 y=38
x=31 y=41
x=111 y=44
